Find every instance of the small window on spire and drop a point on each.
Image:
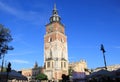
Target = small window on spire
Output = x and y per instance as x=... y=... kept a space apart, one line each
x=55 y=12
x=53 y=18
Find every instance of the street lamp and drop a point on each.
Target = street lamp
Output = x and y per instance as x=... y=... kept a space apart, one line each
x=8 y=70
x=103 y=51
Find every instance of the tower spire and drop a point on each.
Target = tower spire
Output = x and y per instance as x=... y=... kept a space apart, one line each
x=55 y=17
x=55 y=6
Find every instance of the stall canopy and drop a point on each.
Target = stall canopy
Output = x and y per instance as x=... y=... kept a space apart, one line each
x=13 y=75
x=102 y=73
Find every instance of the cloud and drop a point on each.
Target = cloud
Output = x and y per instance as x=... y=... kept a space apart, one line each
x=23 y=53
x=27 y=15
x=19 y=61
x=19 y=38
x=84 y=47
x=8 y=9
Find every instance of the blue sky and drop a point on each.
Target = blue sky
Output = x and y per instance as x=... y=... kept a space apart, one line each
x=88 y=24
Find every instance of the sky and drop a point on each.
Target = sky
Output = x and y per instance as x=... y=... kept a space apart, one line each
x=88 y=24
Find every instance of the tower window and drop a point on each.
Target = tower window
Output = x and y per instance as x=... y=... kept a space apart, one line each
x=50 y=39
x=54 y=18
x=55 y=12
x=48 y=64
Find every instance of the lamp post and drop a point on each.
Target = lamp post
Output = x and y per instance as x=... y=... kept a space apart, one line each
x=103 y=51
x=8 y=70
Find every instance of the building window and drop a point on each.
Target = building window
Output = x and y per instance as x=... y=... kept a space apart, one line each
x=54 y=18
x=48 y=64
x=50 y=39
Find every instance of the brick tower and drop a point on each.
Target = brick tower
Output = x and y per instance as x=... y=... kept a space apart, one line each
x=55 y=48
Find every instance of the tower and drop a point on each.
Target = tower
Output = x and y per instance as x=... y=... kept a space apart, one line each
x=55 y=48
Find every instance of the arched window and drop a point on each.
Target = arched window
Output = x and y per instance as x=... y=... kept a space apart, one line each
x=48 y=64
x=50 y=39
